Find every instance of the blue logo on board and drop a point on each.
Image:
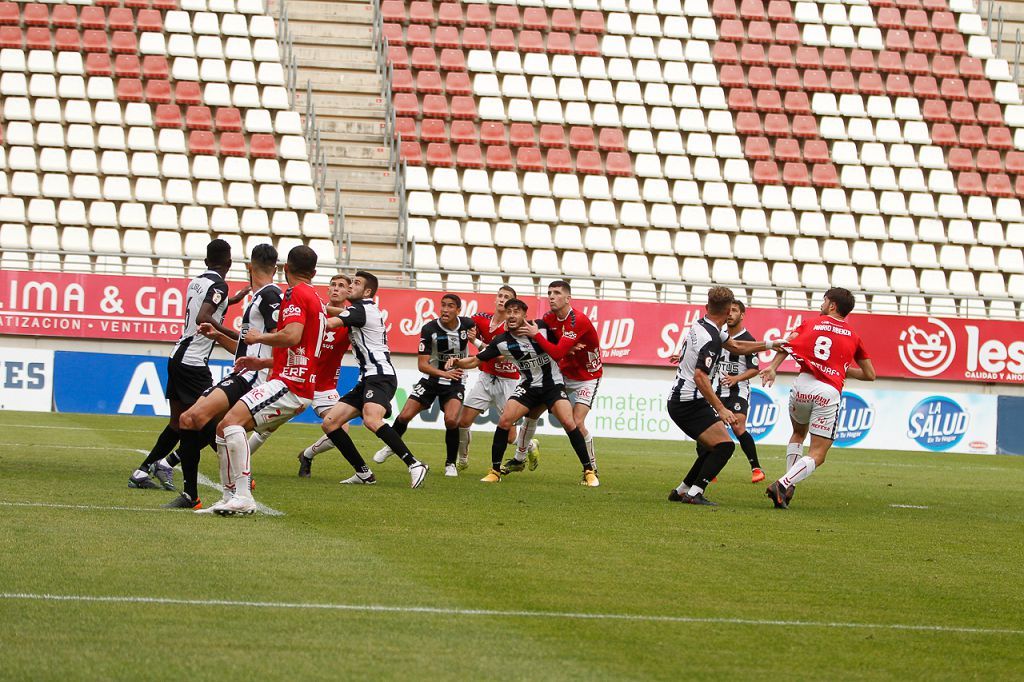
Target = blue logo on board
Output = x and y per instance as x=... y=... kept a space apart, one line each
x=764 y=413
x=856 y=417
x=937 y=423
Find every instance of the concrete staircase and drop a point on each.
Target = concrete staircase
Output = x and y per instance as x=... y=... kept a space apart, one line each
x=334 y=53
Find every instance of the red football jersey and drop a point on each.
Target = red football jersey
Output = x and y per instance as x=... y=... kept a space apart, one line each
x=499 y=366
x=296 y=366
x=825 y=347
x=336 y=344
x=584 y=364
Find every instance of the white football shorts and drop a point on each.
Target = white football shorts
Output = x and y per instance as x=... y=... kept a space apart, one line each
x=582 y=392
x=489 y=390
x=324 y=401
x=272 y=404
x=815 y=403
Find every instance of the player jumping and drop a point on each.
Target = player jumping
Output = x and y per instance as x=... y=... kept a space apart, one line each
x=371 y=397
x=824 y=347
x=440 y=339
x=693 y=404
x=536 y=350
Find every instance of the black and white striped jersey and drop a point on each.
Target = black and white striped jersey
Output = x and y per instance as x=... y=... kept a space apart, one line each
x=369 y=335
x=193 y=348
x=537 y=369
x=731 y=364
x=702 y=348
x=441 y=343
x=260 y=314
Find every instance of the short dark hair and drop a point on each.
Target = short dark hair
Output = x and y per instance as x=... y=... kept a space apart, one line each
x=218 y=252
x=369 y=278
x=739 y=304
x=561 y=284
x=505 y=287
x=719 y=300
x=302 y=261
x=516 y=303
x=341 y=275
x=454 y=299
x=843 y=299
x=264 y=258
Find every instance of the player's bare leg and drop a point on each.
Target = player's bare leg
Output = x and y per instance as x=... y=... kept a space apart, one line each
x=409 y=412
x=562 y=411
x=748 y=446
x=451 y=436
x=232 y=429
x=198 y=428
x=579 y=415
x=373 y=419
x=781 y=492
x=162 y=453
x=334 y=421
x=714 y=452
x=323 y=444
x=467 y=415
x=781 y=495
x=513 y=412
x=527 y=449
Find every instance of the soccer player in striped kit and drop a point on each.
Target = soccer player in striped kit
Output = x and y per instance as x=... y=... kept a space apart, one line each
x=440 y=339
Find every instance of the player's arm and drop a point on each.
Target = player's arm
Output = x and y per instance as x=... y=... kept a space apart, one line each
x=865 y=371
x=351 y=317
x=768 y=373
x=733 y=379
x=703 y=382
x=240 y=295
x=488 y=353
x=423 y=363
x=287 y=337
x=213 y=298
x=226 y=342
x=540 y=333
x=253 y=364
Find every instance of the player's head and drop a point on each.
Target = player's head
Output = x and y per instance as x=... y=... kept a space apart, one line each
x=838 y=301
x=515 y=310
x=505 y=294
x=218 y=255
x=451 y=306
x=262 y=262
x=301 y=265
x=559 y=295
x=337 y=292
x=364 y=285
x=719 y=301
x=736 y=312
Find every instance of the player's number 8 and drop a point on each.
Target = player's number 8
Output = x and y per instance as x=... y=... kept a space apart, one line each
x=822 y=347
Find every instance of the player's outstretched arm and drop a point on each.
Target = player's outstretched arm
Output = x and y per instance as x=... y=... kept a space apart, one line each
x=865 y=371
x=253 y=364
x=282 y=338
x=768 y=373
x=225 y=342
x=733 y=379
x=240 y=295
x=423 y=364
x=461 y=363
x=557 y=351
x=205 y=316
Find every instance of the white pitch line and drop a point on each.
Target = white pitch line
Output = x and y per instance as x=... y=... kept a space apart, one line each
x=74 y=428
x=90 y=507
x=497 y=613
x=910 y=506
x=260 y=507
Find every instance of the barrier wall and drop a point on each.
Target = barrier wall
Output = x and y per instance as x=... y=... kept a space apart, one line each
x=632 y=333
x=103 y=383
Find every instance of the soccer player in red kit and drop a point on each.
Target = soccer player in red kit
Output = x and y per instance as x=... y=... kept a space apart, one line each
x=824 y=347
x=581 y=368
x=289 y=389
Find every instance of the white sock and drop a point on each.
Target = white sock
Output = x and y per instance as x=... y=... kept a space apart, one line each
x=803 y=468
x=322 y=445
x=794 y=451
x=524 y=437
x=590 y=451
x=225 y=470
x=238 y=457
x=164 y=463
x=256 y=441
x=694 y=490
x=465 y=436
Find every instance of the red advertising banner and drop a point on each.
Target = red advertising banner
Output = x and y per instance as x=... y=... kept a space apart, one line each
x=151 y=309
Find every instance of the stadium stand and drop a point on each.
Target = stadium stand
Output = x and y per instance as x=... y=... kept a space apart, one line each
x=765 y=146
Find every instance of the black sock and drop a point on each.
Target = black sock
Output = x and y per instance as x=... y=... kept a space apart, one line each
x=451 y=444
x=579 y=444
x=210 y=434
x=498 y=446
x=691 y=475
x=714 y=462
x=174 y=458
x=749 y=449
x=348 y=449
x=400 y=426
x=192 y=443
x=165 y=442
x=394 y=441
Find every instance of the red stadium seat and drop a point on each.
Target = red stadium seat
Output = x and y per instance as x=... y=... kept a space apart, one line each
x=38 y=39
x=870 y=84
x=753 y=55
x=816 y=80
x=748 y=123
x=759 y=77
x=925 y=87
x=475 y=38
x=9 y=15
x=406 y=105
x=769 y=101
x=935 y=111
x=816 y=151
x=780 y=10
x=457 y=83
x=732 y=30
x=188 y=92
x=916 y=64
x=989 y=161
x=127 y=66
x=926 y=41
x=732 y=76
x=944 y=22
x=262 y=146
x=843 y=82
x=401 y=80
x=411 y=153
x=757 y=148
x=492 y=132
x=805 y=126
x=776 y=125
x=394 y=34
x=469 y=156
x=787 y=34
x=563 y=20
x=760 y=32
x=405 y=128
x=462 y=107
x=1015 y=162
x=972 y=136
x=796 y=102
x=393 y=11
x=149 y=20
x=970 y=184
x=962 y=112
x=433 y=130
x=527 y=159
x=503 y=39
x=953 y=89
x=233 y=144
x=559 y=161
x=158 y=92
x=69 y=40
x=93 y=18
x=424 y=58
x=611 y=140
x=165 y=5
x=808 y=58
x=552 y=136
x=199 y=118
x=766 y=173
x=780 y=56
x=536 y=19
x=418 y=35
x=124 y=42
x=787 y=79
x=752 y=10
x=450 y=13
x=944 y=135
x=592 y=21
x=120 y=19
x=788 y=149
x=429 y=82
x=479 y=15
x=452 y=60
x=960 y=159
x=422 y=12
x=98 y=64
x=582 y=137
x=155 y=66
x=971 y=68
x=833 y=59
x=129 y=90
x=890 y=61
x=201 y=142
x=559 y=43
x=464 y=132
x=741 y=99
x=990 y=114
x=531 y=41
x=618 y=163
x=36 y=14
x=499 y=157
x=725 y=53
x=952 y=43
x=979 y=91
x=944 y=66
x=824 y=175
x=898 y=85
x=398 y=57
x=724 y=9
x=898 y=40
x=586 y=45
x=796 y=174
x=916 y=20
x=889 y=17
x=999 y=137
x=439 y=154
x=998 y=185
x=507 y=16
x=228 y=119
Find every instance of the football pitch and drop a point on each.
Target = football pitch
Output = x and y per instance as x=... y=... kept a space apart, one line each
x=888 y=565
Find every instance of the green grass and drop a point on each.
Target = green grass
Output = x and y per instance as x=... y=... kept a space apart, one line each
x=536 y=542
